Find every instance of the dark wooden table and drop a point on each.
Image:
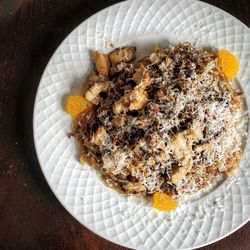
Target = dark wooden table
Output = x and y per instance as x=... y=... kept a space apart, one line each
x=30 y=215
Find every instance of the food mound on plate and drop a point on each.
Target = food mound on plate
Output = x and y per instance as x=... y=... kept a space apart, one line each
x=164 y=126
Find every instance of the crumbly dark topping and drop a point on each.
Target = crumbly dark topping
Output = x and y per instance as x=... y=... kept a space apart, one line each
x=166 y=123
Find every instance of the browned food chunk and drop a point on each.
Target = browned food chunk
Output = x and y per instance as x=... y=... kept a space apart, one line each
x=92 y=94
x=101 y=63
x=99 y=137
x=136 y=99
x=126 y=54
x=121 y=105
x=142 y=77
x=154 y=58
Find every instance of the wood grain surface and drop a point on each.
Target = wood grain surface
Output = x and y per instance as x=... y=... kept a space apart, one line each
x=30 y=215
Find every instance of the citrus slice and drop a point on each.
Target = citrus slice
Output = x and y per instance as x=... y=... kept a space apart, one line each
x=229 y=63
x=76 y=105
x=163 y=202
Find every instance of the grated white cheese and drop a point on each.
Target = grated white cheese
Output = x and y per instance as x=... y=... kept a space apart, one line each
x=187 y=95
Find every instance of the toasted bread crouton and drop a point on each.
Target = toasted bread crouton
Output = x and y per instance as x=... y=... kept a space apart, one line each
x=101 y=63
x=92 y=94
x=142 y=77
x=138 y=99
x=126 y=54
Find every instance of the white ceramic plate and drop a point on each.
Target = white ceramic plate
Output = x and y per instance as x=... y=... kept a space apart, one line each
x=104 y=211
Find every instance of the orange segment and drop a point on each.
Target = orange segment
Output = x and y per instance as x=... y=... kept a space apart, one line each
x=163 y=202
x=76 y=105
x=229 y=63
